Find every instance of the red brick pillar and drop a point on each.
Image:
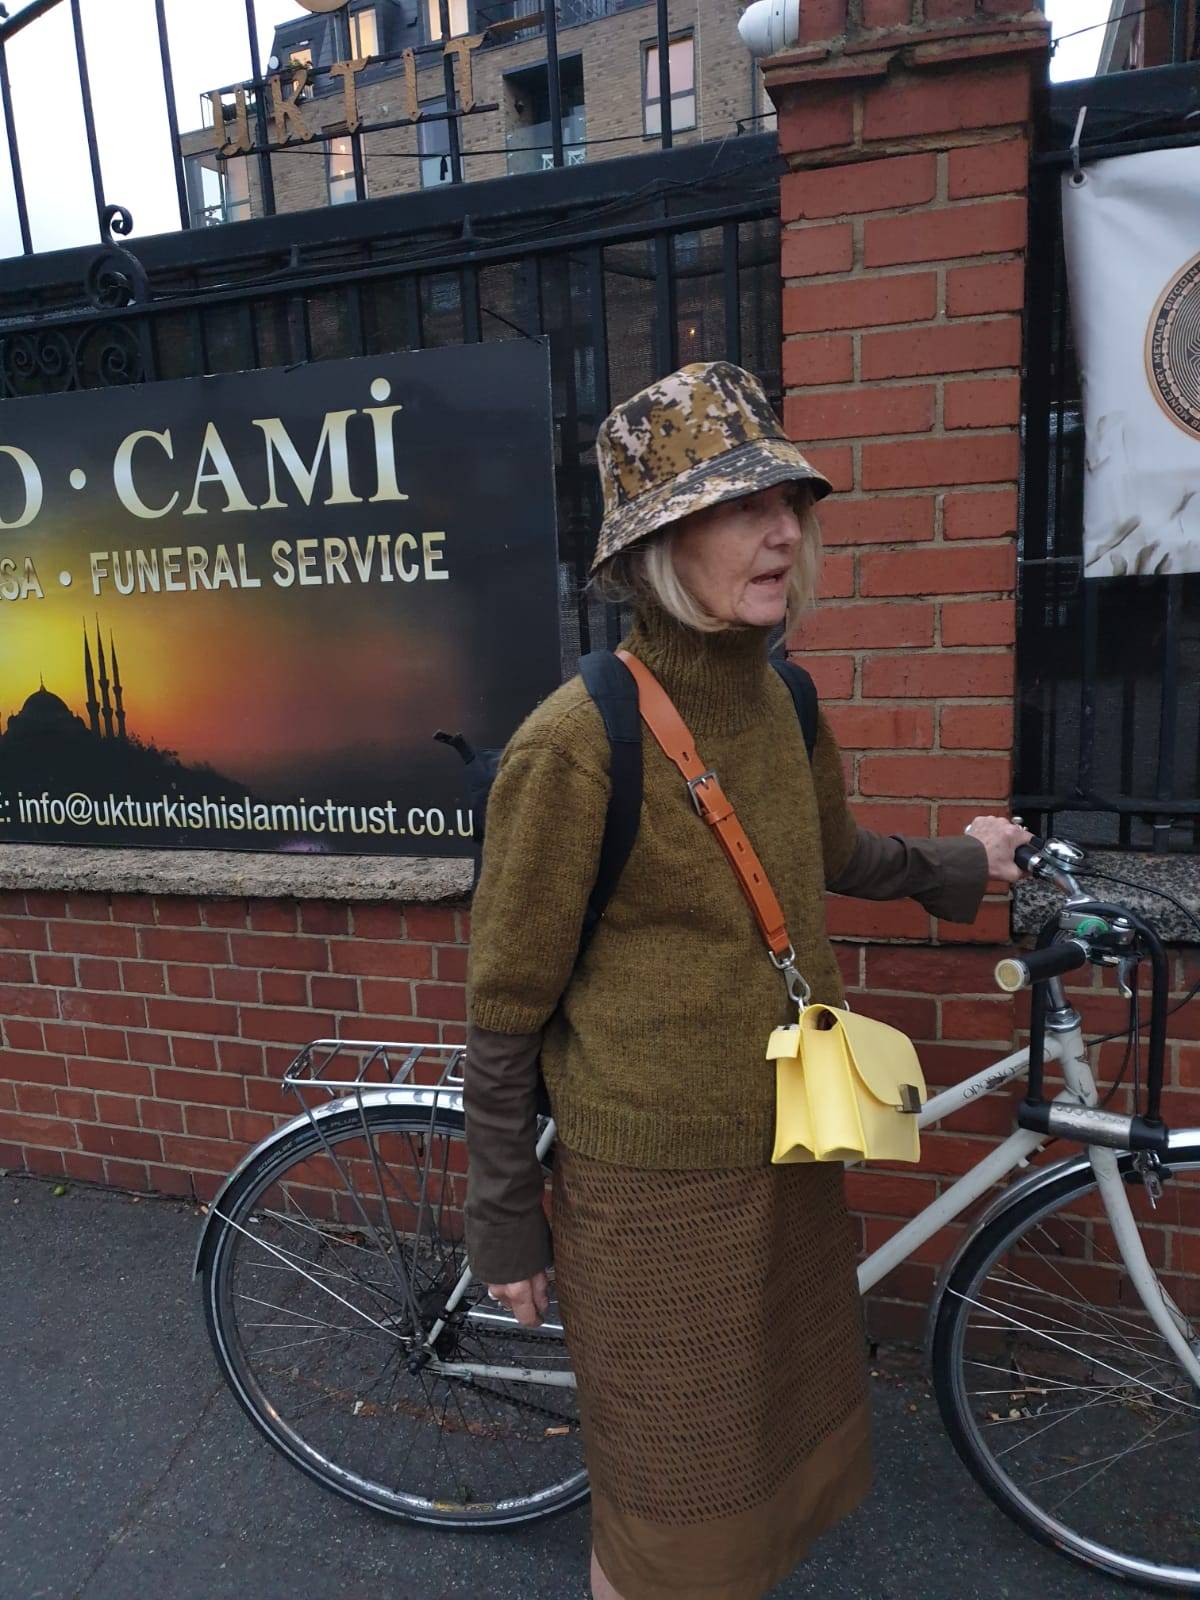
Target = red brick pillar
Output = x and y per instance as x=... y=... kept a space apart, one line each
x=906 y=128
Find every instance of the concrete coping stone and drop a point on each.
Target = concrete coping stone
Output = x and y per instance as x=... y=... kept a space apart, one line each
x=1177 y=875
x=440 y=880
x=235 y=874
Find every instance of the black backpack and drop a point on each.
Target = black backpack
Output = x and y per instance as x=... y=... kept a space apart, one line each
x=611 y=685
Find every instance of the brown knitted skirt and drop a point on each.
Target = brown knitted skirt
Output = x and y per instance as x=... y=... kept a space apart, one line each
x=714 y=1326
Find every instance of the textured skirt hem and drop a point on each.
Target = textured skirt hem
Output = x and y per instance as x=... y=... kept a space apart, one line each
x=739 y=1557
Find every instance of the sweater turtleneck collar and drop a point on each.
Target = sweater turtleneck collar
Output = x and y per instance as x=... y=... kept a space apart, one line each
x=718 y=681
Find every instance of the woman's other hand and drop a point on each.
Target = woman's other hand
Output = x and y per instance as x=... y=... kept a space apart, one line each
x=528 y=1300
x=1000 y=838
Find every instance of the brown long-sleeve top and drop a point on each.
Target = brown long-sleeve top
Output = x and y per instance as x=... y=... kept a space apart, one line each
x=652 y=1046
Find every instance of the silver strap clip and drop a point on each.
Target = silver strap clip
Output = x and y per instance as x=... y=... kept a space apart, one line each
x=797 y=986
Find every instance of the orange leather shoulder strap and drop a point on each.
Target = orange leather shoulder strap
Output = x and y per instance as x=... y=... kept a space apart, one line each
x=675 y=739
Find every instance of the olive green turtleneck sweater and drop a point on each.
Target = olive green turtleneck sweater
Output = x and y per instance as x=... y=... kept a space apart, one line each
x=654 y=1047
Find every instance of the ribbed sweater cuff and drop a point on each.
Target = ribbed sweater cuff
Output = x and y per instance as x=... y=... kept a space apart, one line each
x=505 y=1016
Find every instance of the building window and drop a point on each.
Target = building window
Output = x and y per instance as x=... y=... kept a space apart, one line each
x=339 y=169
x=459 y=19
x=681 y=61
x=528 y=133
x=364 y=35
x=219 y=192
x=204 y=192
x=300 y=55
x=433 y=141
x=235 y=188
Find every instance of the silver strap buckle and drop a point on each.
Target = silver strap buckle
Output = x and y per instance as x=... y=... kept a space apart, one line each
x=708 y=776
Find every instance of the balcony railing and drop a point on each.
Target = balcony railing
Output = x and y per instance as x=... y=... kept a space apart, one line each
x=531 y=146
x=571 y=14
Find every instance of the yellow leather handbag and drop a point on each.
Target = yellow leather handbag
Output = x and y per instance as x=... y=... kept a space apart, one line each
x=847 y=1088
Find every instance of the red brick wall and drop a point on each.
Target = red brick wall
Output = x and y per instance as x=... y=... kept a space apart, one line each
x=903 y=263
x=142 y=1040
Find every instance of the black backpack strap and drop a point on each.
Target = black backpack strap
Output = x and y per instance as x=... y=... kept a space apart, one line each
x=611 y=685
x=804 y=694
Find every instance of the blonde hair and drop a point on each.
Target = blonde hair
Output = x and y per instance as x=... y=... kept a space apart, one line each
x=646 y=571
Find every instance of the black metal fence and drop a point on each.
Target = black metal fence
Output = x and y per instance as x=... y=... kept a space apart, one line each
x=499 y=19
x=628 y=268
x=1108 y=730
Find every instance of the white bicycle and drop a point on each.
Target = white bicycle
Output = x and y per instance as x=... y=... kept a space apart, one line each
x=1064 y=1333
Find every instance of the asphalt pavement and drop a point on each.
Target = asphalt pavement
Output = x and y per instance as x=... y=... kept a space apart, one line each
x=127 y=1469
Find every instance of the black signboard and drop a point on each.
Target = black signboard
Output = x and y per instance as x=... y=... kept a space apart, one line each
x=234 y=610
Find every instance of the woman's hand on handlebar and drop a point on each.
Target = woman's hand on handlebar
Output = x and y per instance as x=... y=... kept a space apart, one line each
x=1000 y=838
x=528 y=1300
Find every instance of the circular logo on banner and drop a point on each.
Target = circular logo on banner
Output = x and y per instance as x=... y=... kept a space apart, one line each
x=1173 y=349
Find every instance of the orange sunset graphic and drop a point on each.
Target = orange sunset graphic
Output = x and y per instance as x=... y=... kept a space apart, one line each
x=267 y=627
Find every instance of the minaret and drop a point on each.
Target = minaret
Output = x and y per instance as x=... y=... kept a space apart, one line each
x=93 y=705
x=105 y=702
x=117 y=695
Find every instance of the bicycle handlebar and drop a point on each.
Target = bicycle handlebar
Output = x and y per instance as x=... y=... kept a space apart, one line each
x=1025 y=855
x=1017 y=972
x=1106 y=933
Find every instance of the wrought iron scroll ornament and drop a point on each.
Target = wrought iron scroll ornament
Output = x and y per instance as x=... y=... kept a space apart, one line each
x=56 y=360
x=98 y=355
x=114 y=276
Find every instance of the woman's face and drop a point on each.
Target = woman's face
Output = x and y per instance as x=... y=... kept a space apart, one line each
x=736 y=558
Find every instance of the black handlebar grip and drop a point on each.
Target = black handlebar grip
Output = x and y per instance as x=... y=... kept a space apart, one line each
x=1026 y=854
x=1017 y=972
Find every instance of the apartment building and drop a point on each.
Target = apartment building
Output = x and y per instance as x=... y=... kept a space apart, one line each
x=496 y=52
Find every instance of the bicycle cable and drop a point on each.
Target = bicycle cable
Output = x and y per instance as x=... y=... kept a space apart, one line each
x=1160 y=894
x=1132 y=1031
x=1131 y=1034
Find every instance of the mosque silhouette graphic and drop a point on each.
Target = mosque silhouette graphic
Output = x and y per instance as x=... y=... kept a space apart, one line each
x=45 y=713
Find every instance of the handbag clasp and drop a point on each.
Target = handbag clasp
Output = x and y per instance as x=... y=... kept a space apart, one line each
x=910 y=1099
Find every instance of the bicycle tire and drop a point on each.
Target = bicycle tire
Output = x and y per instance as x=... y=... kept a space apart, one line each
x=261 y=1177
x=963 y=1294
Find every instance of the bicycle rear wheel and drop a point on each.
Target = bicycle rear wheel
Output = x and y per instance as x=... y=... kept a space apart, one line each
x=1057 y=1389
x=334 y=1258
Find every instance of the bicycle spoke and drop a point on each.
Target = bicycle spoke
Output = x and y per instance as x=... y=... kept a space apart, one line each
x=1016 y=1323
x=1063 y=1327
x=1102 y=1397
x=333 y=1244
x=1066 y=1399
x=318 y=1299
x=1077 y=1300
x=1105 y=1463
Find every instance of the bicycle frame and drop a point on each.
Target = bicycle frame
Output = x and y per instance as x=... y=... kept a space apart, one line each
x=1015 y=1151
x=1066 y=1045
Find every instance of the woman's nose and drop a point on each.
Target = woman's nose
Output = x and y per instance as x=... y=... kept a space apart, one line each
x=785 y=527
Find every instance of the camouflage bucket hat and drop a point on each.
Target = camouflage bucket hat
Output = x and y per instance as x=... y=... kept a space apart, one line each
x=700 y=436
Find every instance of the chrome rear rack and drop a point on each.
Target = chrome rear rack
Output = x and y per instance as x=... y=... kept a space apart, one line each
x=342 y=1066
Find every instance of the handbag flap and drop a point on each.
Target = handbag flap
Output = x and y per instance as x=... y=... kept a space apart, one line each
x=883 y=1057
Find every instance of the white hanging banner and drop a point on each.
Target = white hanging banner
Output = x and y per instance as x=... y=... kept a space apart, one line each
x=1132 y=233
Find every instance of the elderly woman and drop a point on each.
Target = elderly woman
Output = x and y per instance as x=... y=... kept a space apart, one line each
x=708 y=1297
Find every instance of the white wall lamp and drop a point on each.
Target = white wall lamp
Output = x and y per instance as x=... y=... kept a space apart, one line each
x=769 y=26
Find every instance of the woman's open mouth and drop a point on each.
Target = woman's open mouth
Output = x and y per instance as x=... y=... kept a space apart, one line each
x=769 y=580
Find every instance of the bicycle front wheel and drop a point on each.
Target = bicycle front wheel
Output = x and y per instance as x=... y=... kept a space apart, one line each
x=336 y=1254
x=1057 y=1389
